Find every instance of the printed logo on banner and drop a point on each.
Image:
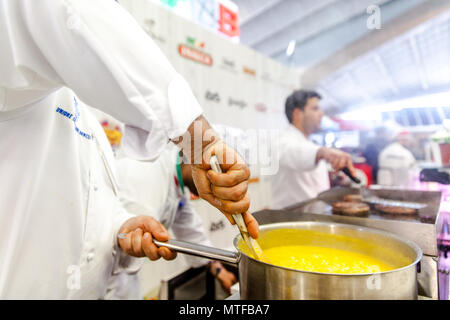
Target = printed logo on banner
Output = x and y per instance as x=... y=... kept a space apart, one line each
x=267 y=77
x=249 y=71
x=193 y=51
x=228 y=65
x=212 y=96
x=216 y=226
x=261 y=107
x=240 y=103
x=148 y=27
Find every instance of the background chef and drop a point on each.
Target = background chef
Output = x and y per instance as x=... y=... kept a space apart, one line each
x=302 y=169
x=397 y=165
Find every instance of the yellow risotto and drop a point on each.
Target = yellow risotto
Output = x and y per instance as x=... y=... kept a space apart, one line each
x=322 y=259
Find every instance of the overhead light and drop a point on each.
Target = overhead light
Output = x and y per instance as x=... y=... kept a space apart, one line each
x=291 y=48
x=374 y=112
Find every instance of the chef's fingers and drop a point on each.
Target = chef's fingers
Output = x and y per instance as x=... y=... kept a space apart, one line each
x=235 y=175
x=351 y=168
x=227 y=279
x=235 y=207
x=166 y=253
x=235 y=193
x=342 y=163
x=252 y=224
x=227 y=156
x=149 y=248
x=125 y=243
x=156 y=229
x=136 y=244
x=335 y=164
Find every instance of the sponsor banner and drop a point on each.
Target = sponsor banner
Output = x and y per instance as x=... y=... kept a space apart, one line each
x=212 y=96
x=249 y=71
x=228 y=65
x=260 y=107
x=236 y=102
x=149 y=28
x=195 y=55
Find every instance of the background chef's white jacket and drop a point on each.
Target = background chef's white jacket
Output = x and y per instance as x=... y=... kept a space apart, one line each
x=397 y=166
x=59 y=213
x=149 y=188
x=298 y=178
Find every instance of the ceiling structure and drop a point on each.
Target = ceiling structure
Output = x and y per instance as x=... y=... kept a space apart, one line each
x=351 y=65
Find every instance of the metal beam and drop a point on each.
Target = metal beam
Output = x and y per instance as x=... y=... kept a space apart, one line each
x=312 y=23
x=412 y=18
x=280 y=19
x=418 y=62
x=262 y=9
x=385 y=73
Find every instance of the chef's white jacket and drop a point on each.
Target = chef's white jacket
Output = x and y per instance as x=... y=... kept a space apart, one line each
x=299 y=177
x=58 y=210
x=153 y=189
x=396 y=166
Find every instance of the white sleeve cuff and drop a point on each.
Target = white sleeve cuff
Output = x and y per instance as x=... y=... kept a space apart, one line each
x=174 y=120
x=184 y=107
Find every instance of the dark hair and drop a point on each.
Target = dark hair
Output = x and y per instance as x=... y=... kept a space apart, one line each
x=298 y=100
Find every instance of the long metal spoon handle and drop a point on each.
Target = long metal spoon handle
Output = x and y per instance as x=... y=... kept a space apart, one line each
x=198 y=250
x=238 y=219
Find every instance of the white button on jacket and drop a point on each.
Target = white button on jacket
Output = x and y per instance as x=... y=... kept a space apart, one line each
x=52 y=148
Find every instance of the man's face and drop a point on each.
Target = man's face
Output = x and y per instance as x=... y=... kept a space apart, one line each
x=312 y=115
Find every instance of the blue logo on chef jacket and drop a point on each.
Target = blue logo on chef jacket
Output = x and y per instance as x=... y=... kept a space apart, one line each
x=74 y=118
x=181 y=203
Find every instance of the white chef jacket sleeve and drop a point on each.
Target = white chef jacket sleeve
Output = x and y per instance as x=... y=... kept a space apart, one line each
x=298 y=155
x=188 y=226
x=97 y=49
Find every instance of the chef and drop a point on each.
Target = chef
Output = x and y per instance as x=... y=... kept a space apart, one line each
x=59 y=209
x=302 y=171
x=397 y=165
x=161 y=189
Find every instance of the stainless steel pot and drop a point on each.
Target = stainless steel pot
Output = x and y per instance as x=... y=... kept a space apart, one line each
x=260 y=280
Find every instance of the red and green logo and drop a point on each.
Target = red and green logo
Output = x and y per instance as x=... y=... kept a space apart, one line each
x=193 y=51
x=195 y=43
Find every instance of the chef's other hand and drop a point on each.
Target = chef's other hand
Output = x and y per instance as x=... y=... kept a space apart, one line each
x=225 y=277
x=138 y=242
x=337 y=158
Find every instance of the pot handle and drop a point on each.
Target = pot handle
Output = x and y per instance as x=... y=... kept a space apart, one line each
x=201 y=251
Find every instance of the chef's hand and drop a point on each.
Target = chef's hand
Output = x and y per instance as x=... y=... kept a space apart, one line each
x=226 y=191
x=337 y=158
x=226 y=278
x=140 y=232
